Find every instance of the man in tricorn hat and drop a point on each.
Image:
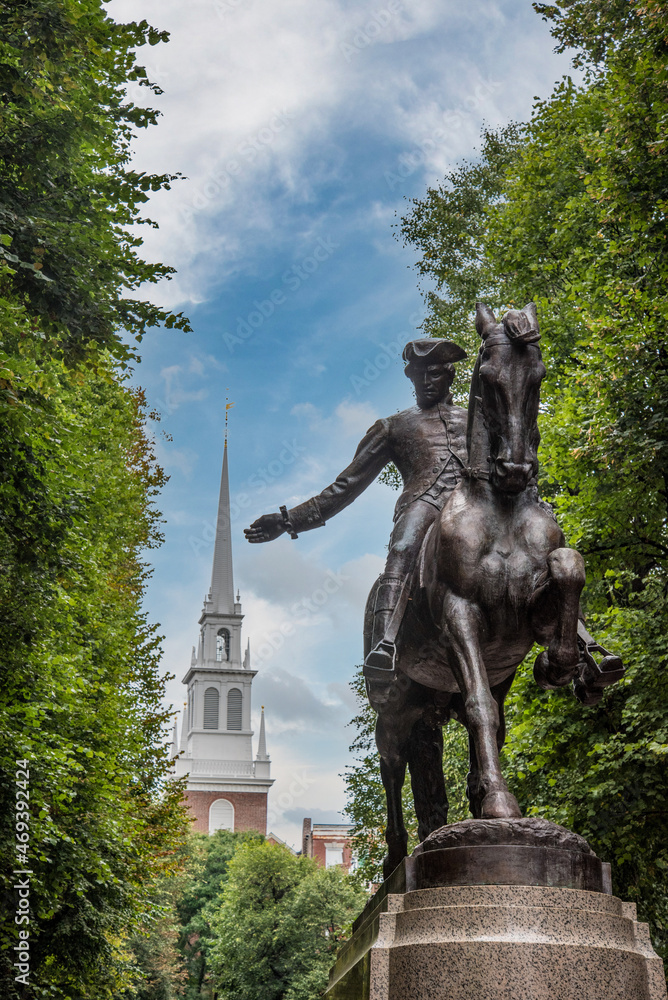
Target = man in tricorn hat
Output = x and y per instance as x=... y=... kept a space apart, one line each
x=427 y=444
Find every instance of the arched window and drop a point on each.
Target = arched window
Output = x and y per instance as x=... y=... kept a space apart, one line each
x=222 y=645
x=211 y=698
x=234 y=709
x=221 y=816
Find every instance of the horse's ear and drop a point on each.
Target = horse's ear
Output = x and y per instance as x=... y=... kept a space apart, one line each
x=532 y=313
x=484 y=318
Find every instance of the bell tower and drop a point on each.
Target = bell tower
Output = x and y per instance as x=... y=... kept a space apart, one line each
x=226 y=788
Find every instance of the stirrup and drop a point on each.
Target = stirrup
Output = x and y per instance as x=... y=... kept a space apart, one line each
x=595 y=675
x=380 y=663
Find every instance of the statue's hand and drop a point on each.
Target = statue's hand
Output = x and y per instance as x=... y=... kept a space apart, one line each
x=265 y=529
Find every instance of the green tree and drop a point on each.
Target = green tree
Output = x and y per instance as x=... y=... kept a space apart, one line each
x=81 y=698
x=278 y=924
x=69 y=196
x=200 y=895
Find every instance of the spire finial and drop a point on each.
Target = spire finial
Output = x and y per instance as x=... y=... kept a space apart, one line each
x=228 y=407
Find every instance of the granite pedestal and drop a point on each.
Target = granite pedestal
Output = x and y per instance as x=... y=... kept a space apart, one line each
x=535 y=927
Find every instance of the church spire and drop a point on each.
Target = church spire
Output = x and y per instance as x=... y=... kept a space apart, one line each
x=262 y=742
x=184 y=730
x=221 y=595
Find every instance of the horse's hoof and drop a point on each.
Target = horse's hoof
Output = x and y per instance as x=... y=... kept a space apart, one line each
x=550 y=677
x=500 y=805
x=541 y=672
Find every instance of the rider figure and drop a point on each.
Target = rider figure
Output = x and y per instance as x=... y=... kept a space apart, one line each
x=427 y=444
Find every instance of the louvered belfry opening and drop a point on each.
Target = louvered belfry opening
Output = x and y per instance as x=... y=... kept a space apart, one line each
x=222 y=645
x=234 y=709
x=211 y=700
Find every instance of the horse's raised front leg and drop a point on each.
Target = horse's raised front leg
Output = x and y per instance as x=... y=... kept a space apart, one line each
x=461 y=627
x=425 y=762
x=558 y=665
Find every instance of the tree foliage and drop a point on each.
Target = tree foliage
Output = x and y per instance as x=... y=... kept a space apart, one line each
x=81 y=695
x=278 y=925
x=199 y=896
x=569 y=210
x=82 y=690
x=68 y=196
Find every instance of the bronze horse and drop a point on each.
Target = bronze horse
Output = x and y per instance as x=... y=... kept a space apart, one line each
x=494 y=577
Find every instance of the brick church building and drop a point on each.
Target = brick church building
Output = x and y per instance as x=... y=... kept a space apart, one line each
x=226 y=788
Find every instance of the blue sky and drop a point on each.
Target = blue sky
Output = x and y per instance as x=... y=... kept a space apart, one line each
x=302 y=129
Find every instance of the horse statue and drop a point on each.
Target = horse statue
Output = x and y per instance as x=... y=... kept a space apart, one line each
x=494 y=577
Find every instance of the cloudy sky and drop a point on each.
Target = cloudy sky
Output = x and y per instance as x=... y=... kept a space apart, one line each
x=301 y=128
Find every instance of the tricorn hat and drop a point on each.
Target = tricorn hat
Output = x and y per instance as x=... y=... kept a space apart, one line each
x=432 y=351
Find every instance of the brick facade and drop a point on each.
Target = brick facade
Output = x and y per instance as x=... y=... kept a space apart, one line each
x=320 y=850
x=317 y=837
x=250 y=809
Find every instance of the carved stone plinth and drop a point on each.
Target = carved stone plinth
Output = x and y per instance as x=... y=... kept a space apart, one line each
x=514 y=940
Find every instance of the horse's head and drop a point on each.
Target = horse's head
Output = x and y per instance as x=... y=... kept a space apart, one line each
x=510 y=370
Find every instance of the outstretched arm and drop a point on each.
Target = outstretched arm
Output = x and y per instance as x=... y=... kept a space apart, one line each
x=372 y=455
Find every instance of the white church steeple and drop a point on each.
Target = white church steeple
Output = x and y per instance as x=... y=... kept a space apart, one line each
x=221 y=593
x=216 y=737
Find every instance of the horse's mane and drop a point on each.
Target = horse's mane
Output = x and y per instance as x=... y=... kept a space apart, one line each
x=477 y=438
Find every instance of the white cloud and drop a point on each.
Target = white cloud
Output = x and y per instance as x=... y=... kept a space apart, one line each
x=356 y=418
x=350 y=419
x=258 y=95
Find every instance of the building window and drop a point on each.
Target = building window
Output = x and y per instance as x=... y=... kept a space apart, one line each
x=211 y=698
x=333 y=855
x=222 y=645
x=221 y=816
x=234 y=709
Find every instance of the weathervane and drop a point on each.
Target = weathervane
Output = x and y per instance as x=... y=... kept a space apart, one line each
x=228 y=407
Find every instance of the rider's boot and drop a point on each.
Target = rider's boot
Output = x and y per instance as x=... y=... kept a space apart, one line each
x=379 y=664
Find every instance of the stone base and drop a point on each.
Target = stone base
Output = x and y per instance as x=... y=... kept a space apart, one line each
x=499 y=943
x=478 y=913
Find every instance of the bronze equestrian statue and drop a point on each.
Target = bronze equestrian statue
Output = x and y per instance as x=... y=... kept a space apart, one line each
x=479 y=572
x=427 y=443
